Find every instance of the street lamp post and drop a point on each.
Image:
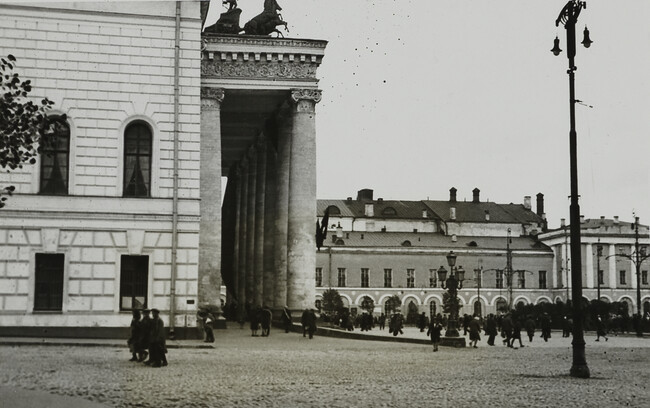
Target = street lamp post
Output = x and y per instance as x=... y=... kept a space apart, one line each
x=640 y=254
x=508 y=270
x=452 y=284
x=478 y=273
x=569 y=17
x=599 y=253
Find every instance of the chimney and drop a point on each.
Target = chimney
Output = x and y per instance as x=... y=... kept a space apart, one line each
x=582 y=219
x=364 y=195
x=339 y=231
x=540 y=204
x=452 y=213
x=487 y=215
x=602 y=220
x=527 y=202
x=370 y=210
x=616 y=219
x=562 y=222
x=452 y=195
x=476 y=193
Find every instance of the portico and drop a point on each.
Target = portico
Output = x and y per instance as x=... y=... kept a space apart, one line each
x=258 y=107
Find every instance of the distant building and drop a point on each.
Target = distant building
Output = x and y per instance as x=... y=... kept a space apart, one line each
x=616 y=275
x=379 y=248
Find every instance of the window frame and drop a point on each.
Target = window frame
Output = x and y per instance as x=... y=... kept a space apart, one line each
x=125 y=154
x=388 y=278
x=38 y=273
x=342 y=278
x=543 y=282
x=318 y=277
x=45 y=154
x=410 y=278
x=622 y=278
x=365 y=277
x=145 y=259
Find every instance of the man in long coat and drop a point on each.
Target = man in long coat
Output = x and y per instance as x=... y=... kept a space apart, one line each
x=157 y=349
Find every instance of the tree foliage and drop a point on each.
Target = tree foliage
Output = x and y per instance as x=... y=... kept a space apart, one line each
x=368 y=304
x=332 y=302
x=448 y=303
x=24 y=126
x=392 y=303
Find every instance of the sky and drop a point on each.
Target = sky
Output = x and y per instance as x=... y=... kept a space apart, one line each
x=423 y=95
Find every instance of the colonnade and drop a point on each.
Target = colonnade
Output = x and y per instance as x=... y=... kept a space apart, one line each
x=273 y=208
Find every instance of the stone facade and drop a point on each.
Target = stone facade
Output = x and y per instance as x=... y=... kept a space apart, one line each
x=105 y=66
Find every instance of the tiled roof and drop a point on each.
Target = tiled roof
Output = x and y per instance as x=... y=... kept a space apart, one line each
x=403 y=209
x=432 y=240
x=467 y=211
x=321 y=205
x=607 y=226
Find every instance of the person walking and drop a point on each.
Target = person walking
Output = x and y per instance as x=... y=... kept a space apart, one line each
x=397 y=323
x=145 y=337
x=422 y=322
x=286 y=319
x=506 y=329
x=546 y=326
x=308 y=320
x=207 y=319
x=516 y=332
x=474 y=327
x=435 y=328
x=253 y=318
x=158 y=348
x=491 y=329
x=530 y=328
x=382 y=321
x=134 y=335
x=600 y=329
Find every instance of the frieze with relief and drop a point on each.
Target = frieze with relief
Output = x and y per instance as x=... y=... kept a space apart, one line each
x=239 y=69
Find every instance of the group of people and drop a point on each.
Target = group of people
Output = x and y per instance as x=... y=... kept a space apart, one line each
x=147 y=338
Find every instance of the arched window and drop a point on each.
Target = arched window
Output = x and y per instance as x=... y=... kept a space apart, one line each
x=432 y=309
x=478 y=308
x=137 y=160
x=502 y=305
x=389 y=211
x=55 y=161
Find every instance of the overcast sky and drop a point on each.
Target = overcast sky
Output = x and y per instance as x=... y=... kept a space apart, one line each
x=423 y=95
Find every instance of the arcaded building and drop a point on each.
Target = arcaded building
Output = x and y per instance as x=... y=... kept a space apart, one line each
x=380 y=248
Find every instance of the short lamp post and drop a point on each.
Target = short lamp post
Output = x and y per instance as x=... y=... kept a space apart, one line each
x=639 y=255
x=452 y=284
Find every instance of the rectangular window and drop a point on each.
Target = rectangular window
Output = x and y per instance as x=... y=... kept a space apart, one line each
x=499 y=279
x=432 y=278
x=137 y=160
x=341 y=277
x=521 y=279
x=542 y=279
x=644 y=277
x=134 y=273
x=364 y=278
x=410 y=278
x=388 y=278
x=319 y=277
x=621 y=277
x=48 y=285
x=601 y=277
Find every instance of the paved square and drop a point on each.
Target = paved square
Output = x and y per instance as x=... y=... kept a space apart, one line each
x=287 y=370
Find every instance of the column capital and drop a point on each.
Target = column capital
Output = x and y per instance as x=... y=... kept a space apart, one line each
x=211 y=98
x=306 y=99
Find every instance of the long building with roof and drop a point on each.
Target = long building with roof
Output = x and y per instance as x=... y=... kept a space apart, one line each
x=380 y=248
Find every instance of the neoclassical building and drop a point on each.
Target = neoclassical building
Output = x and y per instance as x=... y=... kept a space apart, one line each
x=126 y=212
x=380 y=248
x=603 y=267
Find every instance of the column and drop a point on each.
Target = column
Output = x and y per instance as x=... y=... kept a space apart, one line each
x=589 y=255
x=243 y=211
x=281 y=224
x=301 y=253
x=612 y=266
x=269 y=225
x=555 y=260
x=209 y=285
x=236 y=238
x=250 y=228
x=260 y=186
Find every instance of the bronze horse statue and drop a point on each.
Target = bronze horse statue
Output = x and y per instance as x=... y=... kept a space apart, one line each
x=266 y=22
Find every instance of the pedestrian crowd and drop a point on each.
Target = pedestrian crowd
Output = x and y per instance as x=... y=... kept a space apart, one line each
x=147 y=338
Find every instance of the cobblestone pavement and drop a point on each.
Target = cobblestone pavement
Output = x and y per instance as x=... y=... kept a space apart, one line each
x=287 y=370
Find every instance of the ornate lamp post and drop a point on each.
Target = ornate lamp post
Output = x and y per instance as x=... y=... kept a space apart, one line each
x=478 y=274
x=569 y=17
x=453 y=283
